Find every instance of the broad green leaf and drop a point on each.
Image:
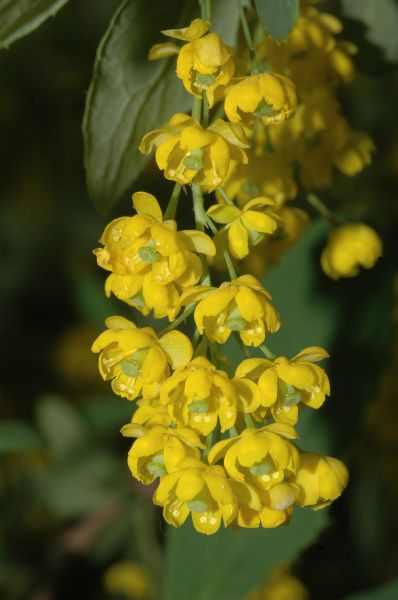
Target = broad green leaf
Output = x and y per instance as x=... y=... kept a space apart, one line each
x=381 y=21
x=17 y=436
x=62 y=425
x=388 y=591
x=130 y=95
x=230 y=563
x=278 y=17
x=20 y=17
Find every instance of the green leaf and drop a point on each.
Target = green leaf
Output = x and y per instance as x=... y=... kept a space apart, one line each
x=20 y=17
x=230 y=563
x=385 y=592
x=381 y=21
x=130 y=95
x=278 y=17
x=62 y=425
x=17 y=436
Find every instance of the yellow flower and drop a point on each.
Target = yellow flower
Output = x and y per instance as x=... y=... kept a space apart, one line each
x=321 y=479
x=247 y=226
x=349 y=247
x=136 y=360
x=151 y=412
x=150 y=261
x=242 y=305
x=281 y=585
x=195 y=30
x=199 y=489
x=269 y=96
x=287 y=384
x=159 y=450
x=205 y=64
x=188 y=153
x=355 y=154
x=311 y=55
x=265 y=174
x=292 y=224
x=199 y=395
x=128 y=579
x=265 y=460
x=319 y=138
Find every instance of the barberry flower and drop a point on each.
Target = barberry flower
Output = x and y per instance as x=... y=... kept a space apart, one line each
x=265 y=174
x=188 y=153
x=265 y=460
x=136 y=360
x=199 y=395
x=150 y=261
x=287 y=384
x=320 y=479
x=245 y=226
x=159 y=450
x=206 y=64
x=199 y=489
x=242 y=305
x=269 y=96
x=349 y=247
x=292 y=224
x=151 y=412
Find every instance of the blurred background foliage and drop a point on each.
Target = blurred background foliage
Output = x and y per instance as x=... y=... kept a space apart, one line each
x=73 y=523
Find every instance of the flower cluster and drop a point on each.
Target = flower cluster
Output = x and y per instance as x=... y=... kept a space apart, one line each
x=221 y=445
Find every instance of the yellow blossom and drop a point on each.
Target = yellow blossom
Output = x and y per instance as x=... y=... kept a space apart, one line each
x=287 y=384
x=194 y=31
x=265 y=174
x=280 y=585
x=355 y=154
x=136 y=360
x=349 y=247
x=205 y=64
x=269 y=96
x=159 y=450
x=265 y=460
x=245 y=226
x=128 y=579
x=292 y=224
x=199 y=395
x=318 y=138
x=311 y=55
x=242 y=305
x=188 y=153
x=150 y=261
x=151 y=412
x=199 y=489
x=321 y=479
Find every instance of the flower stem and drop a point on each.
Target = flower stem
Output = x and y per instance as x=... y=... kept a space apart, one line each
x=225 y=196
x=205 y=9
x=172 y=206
x=178 y=320
x=248 y=38
x=249 y=420
x=201 y=221
x=209 y=444
x=197 y=109
x=321 y=208
x=267 y=352
x=205 y=116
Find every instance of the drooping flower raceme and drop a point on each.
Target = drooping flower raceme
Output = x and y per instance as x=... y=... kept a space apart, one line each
x=221 y=447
